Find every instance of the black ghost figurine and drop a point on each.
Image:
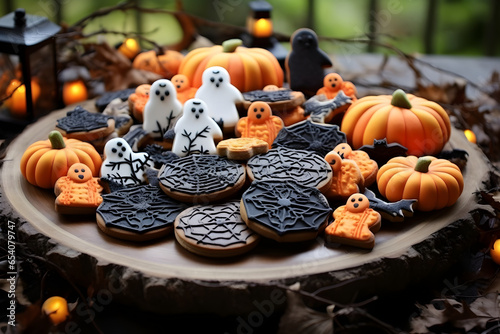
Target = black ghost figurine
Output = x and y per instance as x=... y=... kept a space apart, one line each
x=305 y=62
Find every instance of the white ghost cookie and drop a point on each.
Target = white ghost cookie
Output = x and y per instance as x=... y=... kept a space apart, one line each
x=122 y=165
x=162 y=109
x=220 y=96
x=195 y=131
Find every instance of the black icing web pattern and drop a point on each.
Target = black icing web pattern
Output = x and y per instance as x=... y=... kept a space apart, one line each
x=82 y=120
x=306 y=135
x=286 y=206
x=216 y=225
x=200 y=174
x=284 y=163
x=268 y=96
x=139 y=209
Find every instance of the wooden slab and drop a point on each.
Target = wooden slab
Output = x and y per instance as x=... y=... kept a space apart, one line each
x=155 y=274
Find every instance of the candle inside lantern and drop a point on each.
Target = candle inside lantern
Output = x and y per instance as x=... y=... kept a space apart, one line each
x=130 y=48
x=263 y=28
x=56 y=308
x=17 y=101
x=470 y=136
x=74 y=92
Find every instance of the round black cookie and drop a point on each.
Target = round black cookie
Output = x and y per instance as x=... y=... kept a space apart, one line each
x=310 y=136
x=215 y=230
x=282 y=163
x=285 y=211
x=201 y=178
x=138 y=213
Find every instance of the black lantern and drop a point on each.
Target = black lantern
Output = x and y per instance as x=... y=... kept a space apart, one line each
x=24 y=35
x=260 y=30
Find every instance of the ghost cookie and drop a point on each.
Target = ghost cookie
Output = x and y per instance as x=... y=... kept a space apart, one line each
x=122 y=165
x=78 y=192
x=241 y=148
x=346 y=179
x=183 y=87
x=220 y=96
x=138 y=213
x=305 y=62
x=259 y=123
x=195 y=132
x=162 y=110
x=285 y=211
x=201 y=178
x=367 y=166
x=215 y=230
x=354 y=223
x=85 y=126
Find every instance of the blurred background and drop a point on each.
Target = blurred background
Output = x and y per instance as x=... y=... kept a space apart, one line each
x=452 y=27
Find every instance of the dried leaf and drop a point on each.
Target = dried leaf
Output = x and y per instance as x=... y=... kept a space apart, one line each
x=449 y=93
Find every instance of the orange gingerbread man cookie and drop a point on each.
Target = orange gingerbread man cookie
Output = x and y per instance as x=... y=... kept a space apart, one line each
x=354 y=223
x=183 y=88
x=259 y=123
x=241 y=148
x=78 y=192
x=333 y=84
x=367 y=166
x=138 y=100
x=347 y=178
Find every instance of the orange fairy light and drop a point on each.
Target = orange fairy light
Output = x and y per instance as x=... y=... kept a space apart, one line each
x=130 y=48
x=470 y=136
x=74 y=92
x=56 y=308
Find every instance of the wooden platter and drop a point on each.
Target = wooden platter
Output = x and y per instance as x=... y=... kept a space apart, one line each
x=156 y=274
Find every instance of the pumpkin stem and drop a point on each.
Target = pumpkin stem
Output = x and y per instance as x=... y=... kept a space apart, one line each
x=56 y=140
x=231 y=44
x=422 y=164
x=400 y=99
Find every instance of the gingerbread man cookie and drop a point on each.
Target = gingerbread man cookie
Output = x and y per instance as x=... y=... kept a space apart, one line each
x=138 y=100
x=346 y=179
x=368 y=167
x=260 y=123
x=78 y=192
x=333 y=84
x=183 y=88
x=241 y=148
x=354 y=223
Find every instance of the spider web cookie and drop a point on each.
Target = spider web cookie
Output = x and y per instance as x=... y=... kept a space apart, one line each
x=285 y=211
x=215 y=230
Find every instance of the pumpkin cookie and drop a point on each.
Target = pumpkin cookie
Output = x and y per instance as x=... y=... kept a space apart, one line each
x=367 y=166
x=78 y=192
x=354 y=223
x=183 y=87
x=138 y=213
x=260 y=123
x=241 y=148
x=138 y=100
x=84 y=125
x=284 y=164
x=215 y=230
x=285 y=211
x=346 y=179
x=201 y=178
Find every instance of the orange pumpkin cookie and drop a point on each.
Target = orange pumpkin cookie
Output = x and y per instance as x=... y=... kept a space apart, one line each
x=333 y=84
x=367 y=166
x=347 y=178
x=78 y=192
x=241 y=148
x=137 y=101
x=354 y=223
x=260 y=123
x=183 y=88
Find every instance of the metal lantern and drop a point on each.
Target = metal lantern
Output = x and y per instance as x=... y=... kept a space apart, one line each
x=24 y=35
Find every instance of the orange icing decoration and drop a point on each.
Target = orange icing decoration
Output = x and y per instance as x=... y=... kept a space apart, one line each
x=78 y=188
x=183 y=88
x=138 y=100
x=346 y=179
x=367 y=166
x=260 y=123
x=333 y=83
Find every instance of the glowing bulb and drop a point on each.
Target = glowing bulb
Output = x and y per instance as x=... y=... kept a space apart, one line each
x=263 y=28
x=56 y=308
x=495 y=252
x=74 y=92
x=470 y=136
x=129 y=48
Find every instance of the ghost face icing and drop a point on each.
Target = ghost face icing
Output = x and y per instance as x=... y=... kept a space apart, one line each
x=216 y=77
x=122 y=165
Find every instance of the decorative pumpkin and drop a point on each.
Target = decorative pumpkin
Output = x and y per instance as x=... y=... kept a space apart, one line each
x=434 y=183
x=166 y=64
x=45 y=161
x=249 y=68
x=418 y=124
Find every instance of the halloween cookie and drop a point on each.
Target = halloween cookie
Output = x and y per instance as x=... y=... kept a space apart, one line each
x=333 y=84
x=284 y=164
x=382 y=152
x=159 y=155
x=285 y=211
x=201 y=178
x=138 y=213
x=78 y=192
x=120 y=111
x=241 y=148
x=323 y=110
x=309 y=136
x=183 y=87
x=346 y=178
x=84 y=125
x=367 y=166
x=137 y=101
x=354 y=223
x=259 y=123
x=215 y=230
x=391 y=211
x=102 y=102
